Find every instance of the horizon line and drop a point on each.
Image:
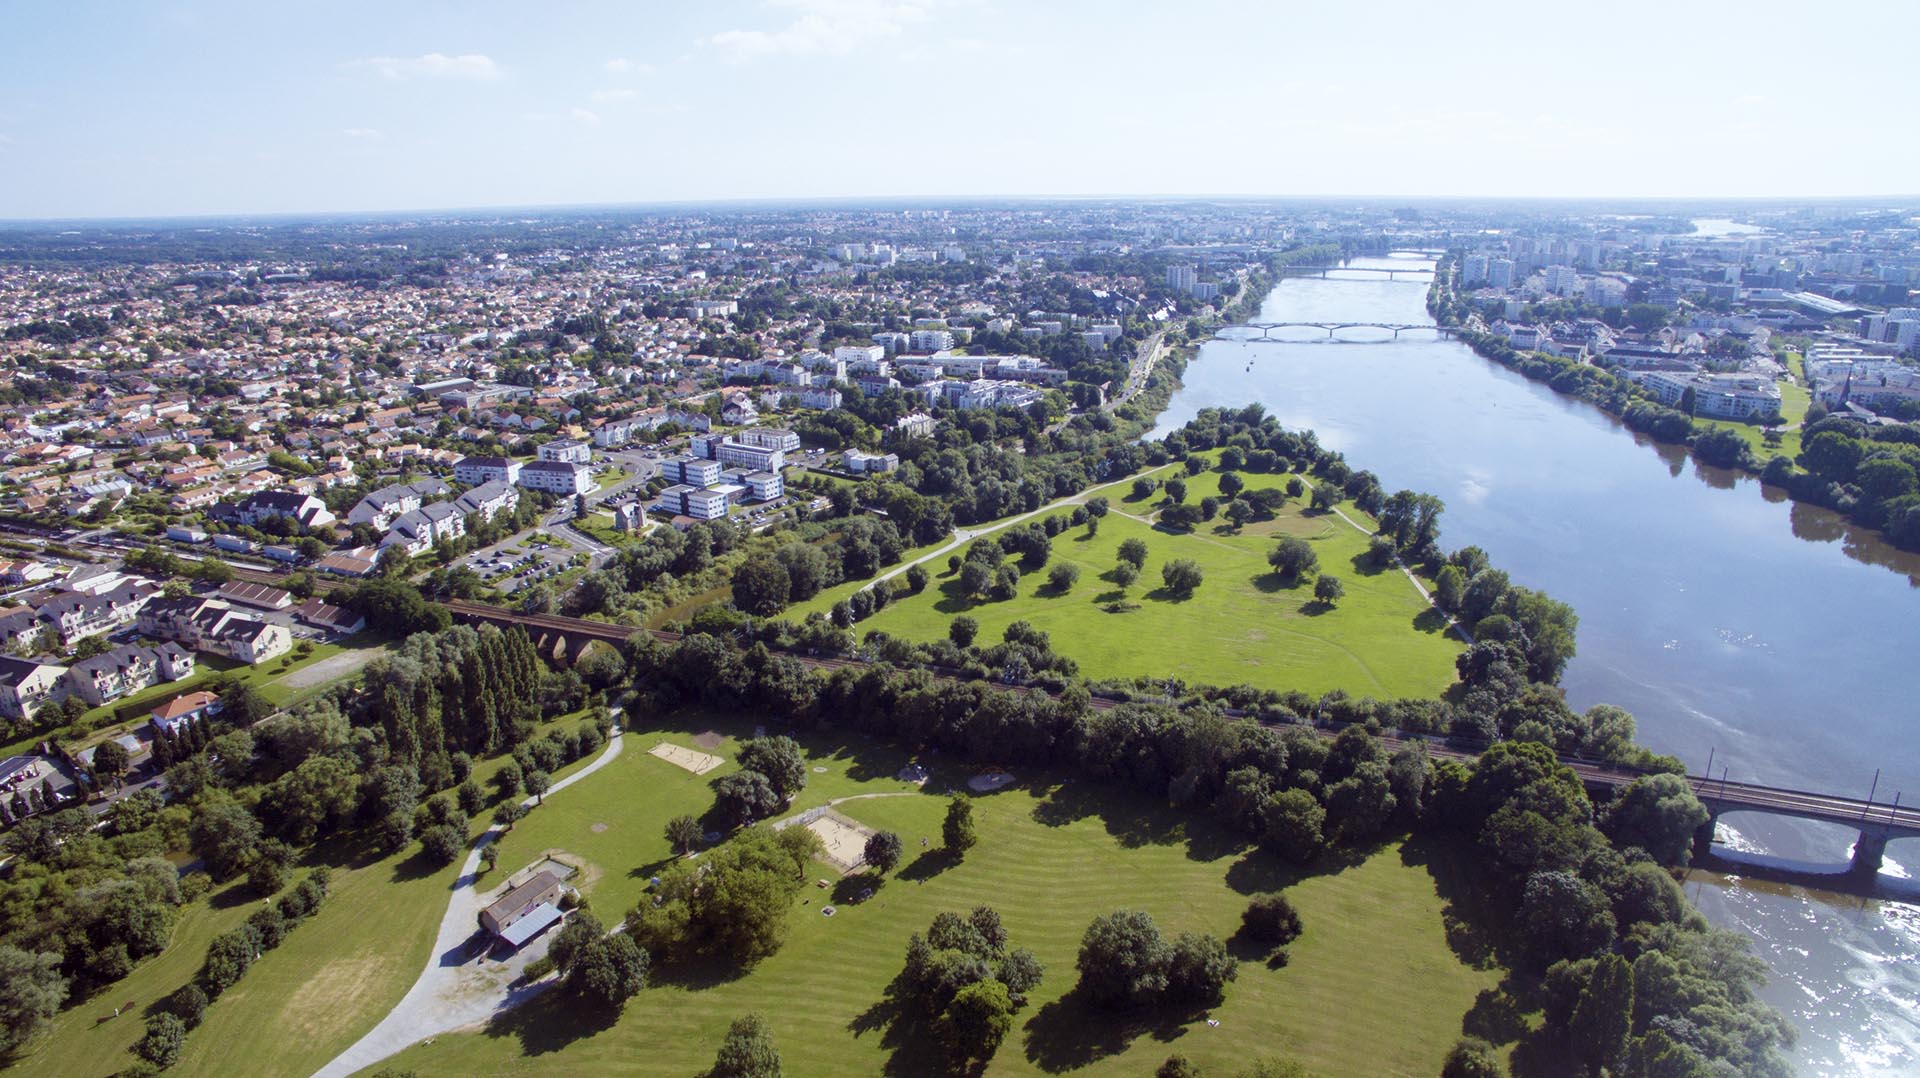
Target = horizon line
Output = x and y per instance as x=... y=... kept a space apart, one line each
x=815 y=200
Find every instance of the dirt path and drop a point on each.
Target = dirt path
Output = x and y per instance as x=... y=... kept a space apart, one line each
x=460 y=986
x=331 y=669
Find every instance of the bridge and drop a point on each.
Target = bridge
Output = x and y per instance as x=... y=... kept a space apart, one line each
x=1322 y=271
x=1333 y=329
x=1877 y=822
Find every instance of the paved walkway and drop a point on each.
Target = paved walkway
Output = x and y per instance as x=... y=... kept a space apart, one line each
x=460 y=986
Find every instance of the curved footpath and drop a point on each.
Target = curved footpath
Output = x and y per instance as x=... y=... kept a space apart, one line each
x=459 y=986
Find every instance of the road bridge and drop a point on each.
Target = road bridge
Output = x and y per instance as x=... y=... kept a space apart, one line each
x=1322 y=271
x=1225 y=333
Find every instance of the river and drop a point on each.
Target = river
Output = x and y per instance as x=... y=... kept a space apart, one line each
x=1775 y=637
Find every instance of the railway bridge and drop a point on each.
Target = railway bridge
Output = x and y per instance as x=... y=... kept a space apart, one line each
x=1227 y=333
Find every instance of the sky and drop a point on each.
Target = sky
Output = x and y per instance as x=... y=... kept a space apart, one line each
x=190 y=108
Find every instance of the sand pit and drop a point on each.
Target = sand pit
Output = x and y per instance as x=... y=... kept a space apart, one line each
x=988 y=781
x=697 y=762
x=845 y=840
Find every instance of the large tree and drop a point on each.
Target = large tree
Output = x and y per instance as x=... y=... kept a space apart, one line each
x=780 y=759
x=1123 y=959
x=1293 y=558
x=748 y=1051
x=31 y=991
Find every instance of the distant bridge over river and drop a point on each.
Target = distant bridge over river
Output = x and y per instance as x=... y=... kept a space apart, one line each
x=1233 y=332
x=1426 y=272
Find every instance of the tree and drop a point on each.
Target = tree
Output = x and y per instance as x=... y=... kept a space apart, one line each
x=1134 y=552
x=1231 y=484
x=1449 y=585
x=164 y=1038
x=224 y=834
x=1123 y=959
x=442 y=843
x=1292 y=823
x=745 y=796
x=1293 y=558
x=1063 y=576
x=1176 y=489
x=1563 y=916
x=1271 y=919
x=538 y=783
x=748 y=1051
x=31 y=991
x=780 y=759
x=956 y=831
x=1471 y=1057
x=509 y=814
x=1328 y=588
x=761 y=586
x=883 y=851
x=1199 y=969
x=272 y=862
x=1659 y=814
x=609 y=970
x=977 y=1020
x=110 y=762
x=189 y=1004
x=962 y=630
x=1182 y=576
x=684 y=834
x=1125 y=573
x=1604 y=1014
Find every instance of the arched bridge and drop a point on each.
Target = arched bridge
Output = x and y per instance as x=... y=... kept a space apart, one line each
x=1322 y=271
x=1876 y=821
x=1333 y=330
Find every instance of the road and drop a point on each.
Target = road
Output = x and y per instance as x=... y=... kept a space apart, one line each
x=1144 y=360
x=460 y=987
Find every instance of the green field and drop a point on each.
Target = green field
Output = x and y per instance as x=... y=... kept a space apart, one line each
x=1372 y=987
x=304 y=1002
x=1243 y=626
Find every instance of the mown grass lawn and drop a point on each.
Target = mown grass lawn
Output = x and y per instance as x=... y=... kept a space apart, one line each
x=331 y=980
x=1795 y=399
x=1242 y=626
x=1371 y=988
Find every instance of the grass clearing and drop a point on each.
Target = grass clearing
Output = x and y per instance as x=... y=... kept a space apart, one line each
x=1243 y=624
x=332 y=979
x=1371 y=988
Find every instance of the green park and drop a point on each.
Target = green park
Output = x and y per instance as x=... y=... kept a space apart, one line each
x=1244 y=623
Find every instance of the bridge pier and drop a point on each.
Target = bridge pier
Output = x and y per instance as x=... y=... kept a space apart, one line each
x=1869 y=851
x=1703 y=839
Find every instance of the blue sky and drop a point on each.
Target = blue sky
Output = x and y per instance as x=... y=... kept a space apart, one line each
x=202 y=108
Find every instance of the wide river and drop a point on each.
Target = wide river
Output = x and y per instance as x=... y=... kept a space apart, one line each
x=1772 y=636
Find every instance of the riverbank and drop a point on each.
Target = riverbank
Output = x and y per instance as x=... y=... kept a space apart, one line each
x=1887 y=506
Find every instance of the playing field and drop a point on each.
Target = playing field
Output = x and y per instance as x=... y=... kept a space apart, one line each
x=1371 y=988
x=1242 y=626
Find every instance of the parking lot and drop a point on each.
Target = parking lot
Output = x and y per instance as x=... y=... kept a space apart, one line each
x=522 y=563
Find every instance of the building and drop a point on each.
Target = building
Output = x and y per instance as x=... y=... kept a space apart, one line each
x=126 y=669
x=1182 y=277
x=764 y=486
x=332 y=619
x=1722 y=396
x=75 y=615
x=567 y=451
x=256 y=509
x=525 y=911
x=860 y=462
x=418 y=531
x=213 y=626
x=917 y=425
x=26 y=686
x=357 y=561
x=930 y=340
x=247 y=593
x=473 y=471
x=693 y=471
x=488 y=500
x=700 y=504
x=556 y=477
x=740 y=454
x=738 y=409
x=860 y=353
x=380 y=508
x=176 y=713
x=771 y=438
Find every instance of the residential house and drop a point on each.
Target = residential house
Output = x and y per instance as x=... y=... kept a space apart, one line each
x=472 y=471
x=488 y=500
x=380 y=508
x=556 y=477
x=123 y=671
x=27 y=685
x=75 y=615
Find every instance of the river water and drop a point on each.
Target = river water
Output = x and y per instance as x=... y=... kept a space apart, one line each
x=1775 y=637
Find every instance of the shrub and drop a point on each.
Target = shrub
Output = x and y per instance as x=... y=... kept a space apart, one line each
x=1271 y=919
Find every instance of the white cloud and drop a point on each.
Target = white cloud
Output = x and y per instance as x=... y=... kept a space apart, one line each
x=604 y=96
x=618 y=64
x=472 y=66
x=826 y=27
x=362 y=132
x=586 y=117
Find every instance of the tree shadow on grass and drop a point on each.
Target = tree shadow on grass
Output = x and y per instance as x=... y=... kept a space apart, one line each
x=1274 y=582
x=235 y=894
x=1496 y=1017
x=954 y=598
x=419 y=866
x=1313 y=608
x=1477 y=929
x=907 y=1035
x=547 y=1019
x=1072 y=1031
x=1430 y=620
x=929 y=864
x=652 y=868
x=1164 y=594
x=699 y=972
x=1365 y=565
x=1135 y=821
